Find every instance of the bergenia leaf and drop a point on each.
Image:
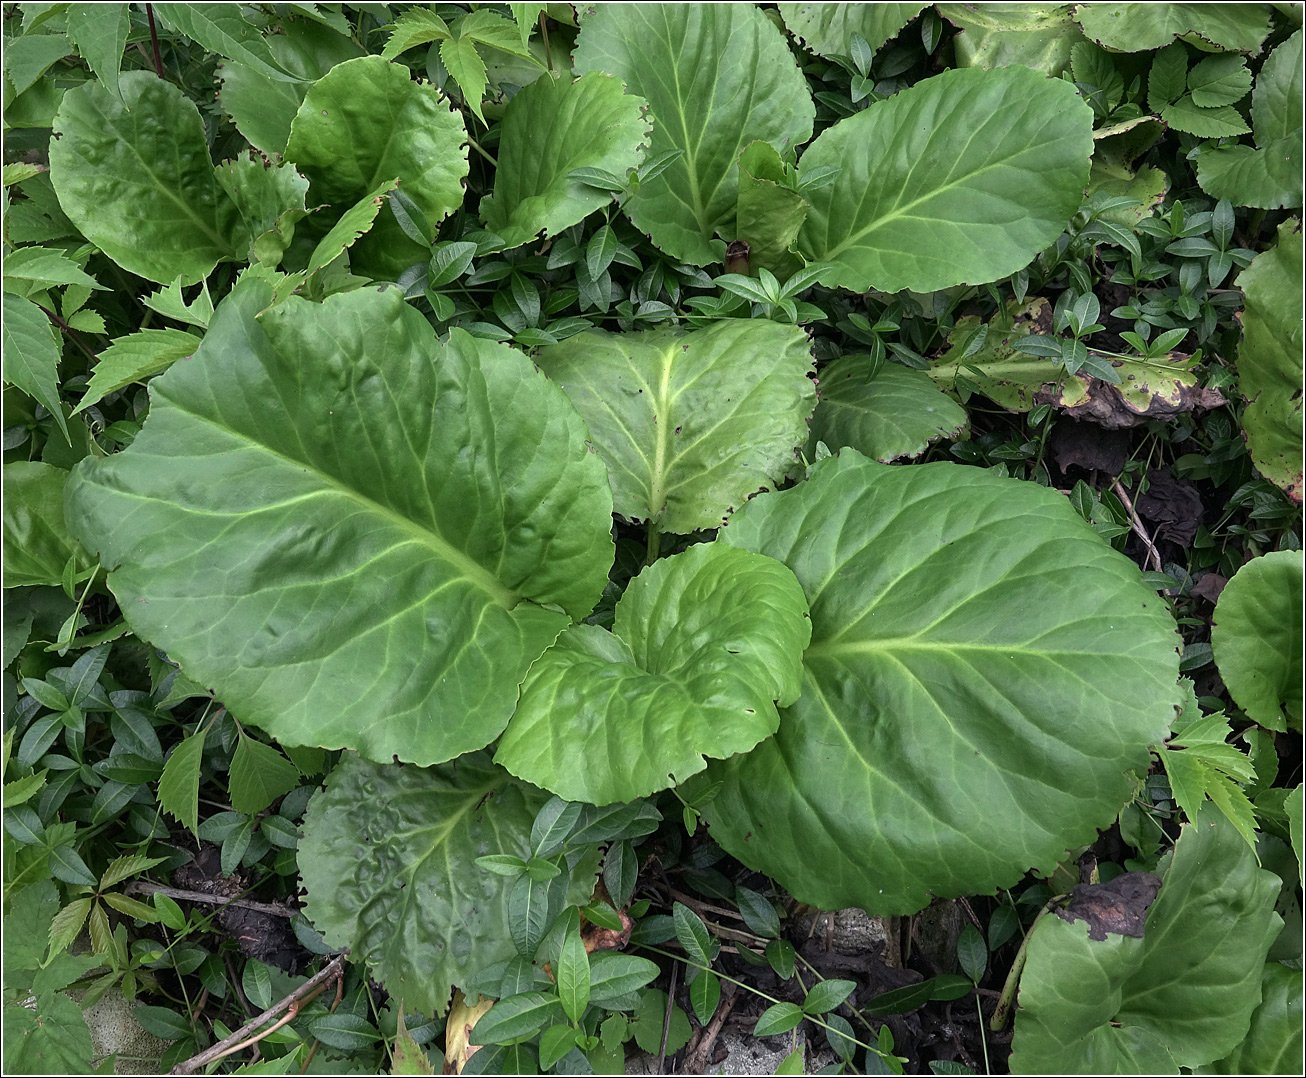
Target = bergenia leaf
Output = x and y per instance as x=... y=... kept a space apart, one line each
x=704 y=645
x=962 y=178
x=689 y=423
x=550 y=128
x=828 y=29
x=716 y=77
x=1139 y=27
x=357 y=536
x=940 y=678
x=36 y=540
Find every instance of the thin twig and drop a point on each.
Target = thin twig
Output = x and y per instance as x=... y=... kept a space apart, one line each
x=274 y=909
x=696 y=1061
x=154 y=40
x=699 y=906
x=296 y=999
x=1139 y=530
x=70 y=333
x=666 y=1020
x=340 y=994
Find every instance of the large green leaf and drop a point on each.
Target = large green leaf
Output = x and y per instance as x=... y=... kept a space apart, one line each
x=983 y=672
x=1257 y=638
x=357 y=536
x=365 y=121
x=1182 y=995
x=270 y=201
x=262 y=107
x=962 y=178
x=1273 y=1044
x=387 y=858
x=1138 y=27
x=226 y=30
x=704 y=645
x=1270 y=360
x=897 y=413
x=36 y=539
x=135 y=177
x=550 y=128
x=827 y=29
x=716 y=77
x=768 y=213
x=1270 y=176
x=689 y=423
x=1040 y=36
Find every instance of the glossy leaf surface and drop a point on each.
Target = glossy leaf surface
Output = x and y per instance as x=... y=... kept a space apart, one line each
x=703 y=646
x=962 y=178
x=1270 y=361
x=1182 y=995
x=716 y=77
x=550 y=128
x=136 y=179
x=1257 y=639
x=954 y=677
x=353 y=532
x=387 y=859
x=897 y=413
x=689 y=423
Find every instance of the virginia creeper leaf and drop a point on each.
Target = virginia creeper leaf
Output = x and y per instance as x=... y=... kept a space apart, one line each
x=358 y=537
x=31 y=356
x=133 y=357
x=100 y=33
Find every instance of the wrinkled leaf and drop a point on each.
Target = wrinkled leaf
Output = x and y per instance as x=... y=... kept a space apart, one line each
x=898 y=413
x=51 y=1038
x=387 y=857
x=550 y=128
x=689 y=423
x=136 y=179
x=1270 y=361
x=1038 y=36
x=961 y=178
x=1181 y=995
x=1138 y=27
x=361 y=555
x=1257 y=639
x=703 y=646
x=716 y=77
x=827 y=29
x=768 y=214
x=950 y=668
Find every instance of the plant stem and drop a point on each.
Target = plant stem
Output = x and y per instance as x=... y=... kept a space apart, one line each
x=654 y=542
x=1008 y=996
x=984 y=1040
x=70 y=334
x=666 y=1019
x=477 y=147
x=154 y=41
x=544 y=35
x=273 y=909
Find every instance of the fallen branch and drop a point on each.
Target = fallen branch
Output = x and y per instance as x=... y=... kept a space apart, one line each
x=274 y=909
x=242 y=1037
x=1139 y=530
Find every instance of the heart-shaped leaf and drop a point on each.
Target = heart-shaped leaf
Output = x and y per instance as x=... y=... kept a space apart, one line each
x=962 y=178
x=716 y=77
x=978 y=654
x=689 y=423
x=703 y=646
x=550 y=128
x=357 y=536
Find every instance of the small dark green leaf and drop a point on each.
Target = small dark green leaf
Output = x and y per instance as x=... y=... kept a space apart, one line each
x=827 y=995
x=758 y=913
x=347 y=1032
x=780 y=953
x=552 y=825
x=705 y=995
x=517 y=1016
x=972 y=954
x=692 y=934
x=613 y=974
x=66 y=864
x=502 y=864
x=778 y=1019
x=162 y=1023
x=573 y=976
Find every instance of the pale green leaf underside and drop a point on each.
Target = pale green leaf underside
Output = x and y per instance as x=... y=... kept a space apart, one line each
x=716 y=77
x=827 y=29
x=1270 y=360
x=135 y=177
x=387 y=861
x=1257 y=638
x=1182 y=995
x=962 y=178
x=704 y=645
x=550 y=128
x=1138 y=27
x=897 y=414
x=348 y=530
x=978 y=655
x=689 y=423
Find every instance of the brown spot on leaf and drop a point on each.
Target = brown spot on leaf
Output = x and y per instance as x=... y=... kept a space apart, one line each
x=1118 y=906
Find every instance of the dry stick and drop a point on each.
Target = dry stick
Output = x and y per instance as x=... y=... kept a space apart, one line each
x=274 y=909
x=696 y=1061
x=666 y=1021
x=154 y=40
x=310 y=988
x=698 y=906
x=1139 y=530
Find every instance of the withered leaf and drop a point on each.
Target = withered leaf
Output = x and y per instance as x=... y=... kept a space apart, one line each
x=1118 y=906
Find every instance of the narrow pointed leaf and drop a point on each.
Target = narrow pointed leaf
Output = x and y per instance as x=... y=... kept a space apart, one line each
x=689 y=424
x=550 y=128
x=962 y=178
x=386 y=576
x=573 y=976
x=716 y=77
x=1039 y=699
x=179 y=785
x=100 y=33
x=31 y=356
